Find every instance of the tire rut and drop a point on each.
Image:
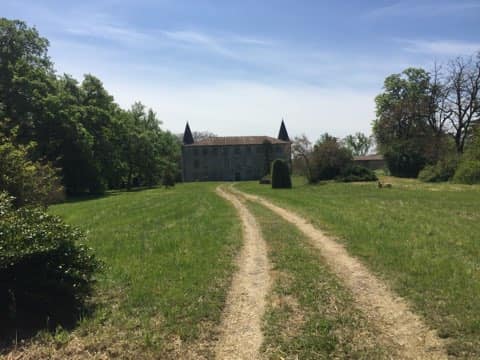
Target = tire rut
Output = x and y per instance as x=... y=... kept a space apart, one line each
x=391 y=314
x=240 y=332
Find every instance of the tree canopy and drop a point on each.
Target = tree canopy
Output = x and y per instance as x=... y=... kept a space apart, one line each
x=77 y=127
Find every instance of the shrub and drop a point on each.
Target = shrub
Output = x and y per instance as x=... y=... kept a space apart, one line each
x=443 y=170
x=404 y=160
x=281 y=175
x=357 y=173
x=468 y=172
x=29 y=182
x=45 y=275
x=329 y=159
x=168 y=176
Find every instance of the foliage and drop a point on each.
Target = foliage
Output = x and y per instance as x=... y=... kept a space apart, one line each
x=329 y=158
x=354 y=173
x=281 y=175
x=302 y=151
x=401 y=128
x=405 y=159
x=359 y=144
x=443 y=170
x=468 y=172
x=27 y=181
x=76 y=126
x=44 y=272
x=169 y=175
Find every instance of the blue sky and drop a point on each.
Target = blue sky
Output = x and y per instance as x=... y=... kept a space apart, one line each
x=239 y=67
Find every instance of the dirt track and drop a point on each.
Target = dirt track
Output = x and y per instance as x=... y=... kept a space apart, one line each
x=390 y=313
x=241 y=334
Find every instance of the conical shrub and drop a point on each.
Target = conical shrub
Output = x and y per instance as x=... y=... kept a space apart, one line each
x=281 y=175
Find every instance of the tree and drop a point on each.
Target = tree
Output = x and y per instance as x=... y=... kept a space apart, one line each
x=302 y=150
x=401 y=128
x=329 y=158
x=26 y=76
x=359 y=144
x=463 y=97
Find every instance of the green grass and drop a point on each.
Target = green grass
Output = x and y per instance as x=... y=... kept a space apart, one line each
x=423 y=239
x=309 y=315
x=168 y=258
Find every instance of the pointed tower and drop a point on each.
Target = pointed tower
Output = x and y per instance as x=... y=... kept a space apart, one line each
x=283 y=134
x=187 y=136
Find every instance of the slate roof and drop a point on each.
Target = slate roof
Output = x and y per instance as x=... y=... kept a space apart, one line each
x=237 y=140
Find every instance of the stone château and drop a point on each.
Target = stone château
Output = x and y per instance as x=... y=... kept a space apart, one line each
x=232 y=158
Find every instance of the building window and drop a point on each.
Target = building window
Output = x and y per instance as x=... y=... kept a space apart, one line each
x=215 y=151
x=205 y=151
x=196 y=164
x=225 y=150
x=278 y=149
x=259 y=149
x=248 y=149
x=195 y=152
x=237 y=150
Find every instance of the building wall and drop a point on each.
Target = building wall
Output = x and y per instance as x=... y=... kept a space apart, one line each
x=229 y=162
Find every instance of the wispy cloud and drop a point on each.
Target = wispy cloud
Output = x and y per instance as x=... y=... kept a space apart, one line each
x=416 y=8
x=441 y=47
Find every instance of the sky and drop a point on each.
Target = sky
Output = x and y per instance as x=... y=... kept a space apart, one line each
x=240 y=67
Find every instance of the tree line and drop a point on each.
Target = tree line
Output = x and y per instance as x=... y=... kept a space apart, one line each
x=427 y=125
x=72 y=128
x=429 y=118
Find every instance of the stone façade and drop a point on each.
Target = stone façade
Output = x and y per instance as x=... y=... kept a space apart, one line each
x=232 y=158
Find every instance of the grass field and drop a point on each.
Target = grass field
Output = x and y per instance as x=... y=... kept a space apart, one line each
x=423 y=239
x=310 y=315
x=168 y=260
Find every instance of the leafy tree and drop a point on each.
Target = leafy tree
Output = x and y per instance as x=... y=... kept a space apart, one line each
x=401 y=127
x=26 y=76
x=329 y=158
x=359 y=144
x=76 y=127
x=27 y=181
x=302 y=150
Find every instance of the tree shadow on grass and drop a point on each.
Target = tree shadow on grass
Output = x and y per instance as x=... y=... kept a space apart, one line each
x=28 y=316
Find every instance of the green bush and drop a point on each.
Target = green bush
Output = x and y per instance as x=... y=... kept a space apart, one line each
x=443 y=170
x=45 y=275
x=468 y=172
x=405 y=160
x=29 y=182
x=357 y=173
x=329 y=158
x=281 y=175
